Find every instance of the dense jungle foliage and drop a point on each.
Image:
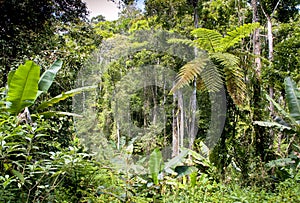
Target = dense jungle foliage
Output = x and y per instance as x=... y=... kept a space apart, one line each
x=183 y=101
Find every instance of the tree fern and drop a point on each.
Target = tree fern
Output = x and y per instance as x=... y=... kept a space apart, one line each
x=208 y=40
x=233 y=37
x=202 y=67
x=216 y=45
x=233 y=76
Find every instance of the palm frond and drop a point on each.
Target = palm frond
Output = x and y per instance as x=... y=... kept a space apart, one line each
x=233 y=37
x=233 y=76
x=208 y=40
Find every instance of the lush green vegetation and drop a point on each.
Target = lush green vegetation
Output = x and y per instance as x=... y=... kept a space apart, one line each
x=186 y=101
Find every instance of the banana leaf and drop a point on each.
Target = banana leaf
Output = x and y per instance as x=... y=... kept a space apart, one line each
x=155 y=165
x=22 y=87
x=64 y=96
x=293 y=98
x=48 y=76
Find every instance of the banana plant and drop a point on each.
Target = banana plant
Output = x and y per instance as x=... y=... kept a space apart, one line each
x=25 y=85
x=291 y=119
x=157 y=167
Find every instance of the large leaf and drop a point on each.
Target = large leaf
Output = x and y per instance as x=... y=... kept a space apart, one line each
x=23 y=87
x=176 y=160
x=293 y=98
x=48 y=76
x=184 y=170
x=155 y=165
x=10 y=76
x=64 y=96
x=281 y=110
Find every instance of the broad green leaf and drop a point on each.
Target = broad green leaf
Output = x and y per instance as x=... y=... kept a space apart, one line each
x=23 y=87
x=184 y=170
x=176 y=160
x=281 y=110
x=48 y=76
x=64 y=96
x=155 y=165
x=293 y=98
x=10 y=75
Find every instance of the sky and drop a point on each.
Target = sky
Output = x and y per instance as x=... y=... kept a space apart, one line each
x=103 y=7
x=106 y=8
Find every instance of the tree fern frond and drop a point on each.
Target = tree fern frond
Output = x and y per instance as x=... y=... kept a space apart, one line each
x=200 y=66
x=201 y=85
x=233 y=37
x=226 y=59
x=189 y=71
x=208 y=40
x=233 y=76
x=235 y=86
x=211 y=77
x=187 y=42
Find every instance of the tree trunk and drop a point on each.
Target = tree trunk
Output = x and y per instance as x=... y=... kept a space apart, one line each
x=256 y=40
x=175 y=135
x=260 y=139
x=270 y=56
x=181 y=118
x=193 y=101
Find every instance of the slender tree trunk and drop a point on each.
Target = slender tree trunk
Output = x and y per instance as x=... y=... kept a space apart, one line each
x=175 y=134
x=260 y=139
x=256 y=39
x=181 y=118
x=193 y=115
x=193 y=103
x=271 y=57
x=270 y=54
x=164 y=103
x=271 y=88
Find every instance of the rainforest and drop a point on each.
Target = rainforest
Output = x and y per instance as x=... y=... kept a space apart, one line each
x=175 y=101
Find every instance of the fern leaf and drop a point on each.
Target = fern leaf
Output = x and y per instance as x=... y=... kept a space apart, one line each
x=208 y=40
x=233 y=37
x=187 y=42
x=200 y=66
x=211 y=77
x=188 y=72
x=233 y=76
